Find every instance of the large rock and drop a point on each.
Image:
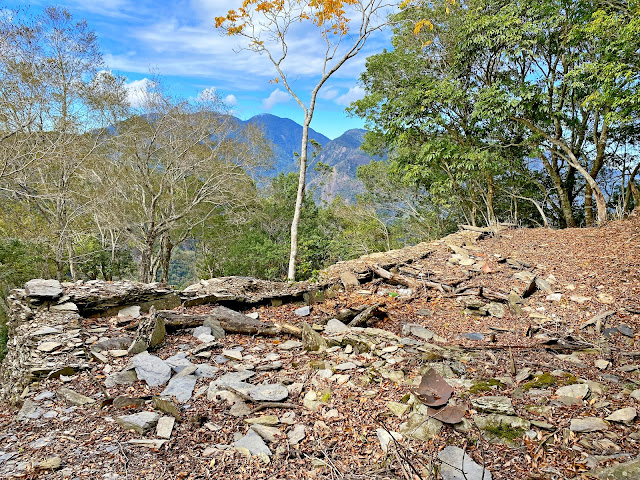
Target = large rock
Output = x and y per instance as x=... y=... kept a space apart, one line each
x=43 y=289
x=180 y=387
x=622 y=471
x=140 y=422
x=457 y=465
x=420 y=427
x=151 y=333
x=151 y=369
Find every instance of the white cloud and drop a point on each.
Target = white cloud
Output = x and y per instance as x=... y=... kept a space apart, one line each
x=208 y=94
x=140 y=91
x=354 y=93
x=328 y=94
x=277 y=96
x=231 y=100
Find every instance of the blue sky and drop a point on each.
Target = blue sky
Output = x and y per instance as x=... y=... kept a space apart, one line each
x=176 y=39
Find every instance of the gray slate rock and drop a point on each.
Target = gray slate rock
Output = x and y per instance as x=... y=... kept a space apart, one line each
x=624 y=415
x=72 y=397
x=312 y=341
x=297 y=434
x=140 y=422
x=622 y=471
x=201 y=330
x=457 y=465
x=254 y=443
x=268 y=434
x=494 y=404
x=335 y=327
x=121 y=378
x=589 y=424
x=178 y=362
x=216 y=329
x=29 y=411
x=133 y=311
x=151 y=369
x=418 y=331
x=420 y=427
x=269 y=393
x=43 y=289
x=577 y=390
x=303 y=311
x=204 y=370
x=181 y=388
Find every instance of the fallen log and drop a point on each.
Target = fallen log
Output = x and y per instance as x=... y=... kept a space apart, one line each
x=406 y=281
x=363 y=317
x=230 y=321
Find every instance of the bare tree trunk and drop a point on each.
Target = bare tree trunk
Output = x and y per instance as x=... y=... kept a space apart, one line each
x=166 y=248
x=146 y=267
x=72 y=263
x=302 y=179
x=630 y=186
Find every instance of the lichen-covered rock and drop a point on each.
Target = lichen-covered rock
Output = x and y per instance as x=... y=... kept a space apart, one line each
x=420 y=427
x=312 y=341
x=150 y=334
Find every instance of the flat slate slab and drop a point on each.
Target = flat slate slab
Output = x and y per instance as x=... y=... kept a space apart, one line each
x=181 y=388
x=269 y=393
x=151 y=369
x=39 y=288
x=140 y=422
x=457 y=465
x=254 y=443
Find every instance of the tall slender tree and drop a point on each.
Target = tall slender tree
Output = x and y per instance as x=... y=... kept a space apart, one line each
x=343 y=27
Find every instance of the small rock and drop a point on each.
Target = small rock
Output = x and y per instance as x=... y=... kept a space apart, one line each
x=253 y=315
x=577 y=390
x=605 y=298
x=346 y=366
x=398 y=409
x=166 y=406
x=420 y=427
x=626 y=330
x=290 y=345
x=51 y=463
x=602 y=364
x=349 y=280
x=496 y=309
x=494 y=404
x=201 y=330
x=579 y=299
x=49 y=346
x=554 y=297
x=232 y=354
x=133 y=311
x=542 y=425
x=303 y=311
x=254 y=443
x=269 y=393
x=64 y=307
x=473 y=336
x=457 y=465
x=335 y=327
x=263 y=420
x=417 y=331
x=627 y=470
x=624 y=415
x=140 y=422
x=72 y=397
x=165 y=427
x=297 y=434
x=385 y=438
x=121 y=378
x=589 y=424
x=268 y=434
x=635 y=395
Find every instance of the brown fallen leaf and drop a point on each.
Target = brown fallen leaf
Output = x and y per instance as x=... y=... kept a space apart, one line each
x=433 y=390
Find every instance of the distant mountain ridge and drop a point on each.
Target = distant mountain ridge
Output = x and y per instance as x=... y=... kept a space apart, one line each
x=343 y=155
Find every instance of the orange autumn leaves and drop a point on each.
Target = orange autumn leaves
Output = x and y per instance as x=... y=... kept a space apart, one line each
x=328 y=15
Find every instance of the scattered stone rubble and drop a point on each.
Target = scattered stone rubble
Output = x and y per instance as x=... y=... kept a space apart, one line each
x=152 y=393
